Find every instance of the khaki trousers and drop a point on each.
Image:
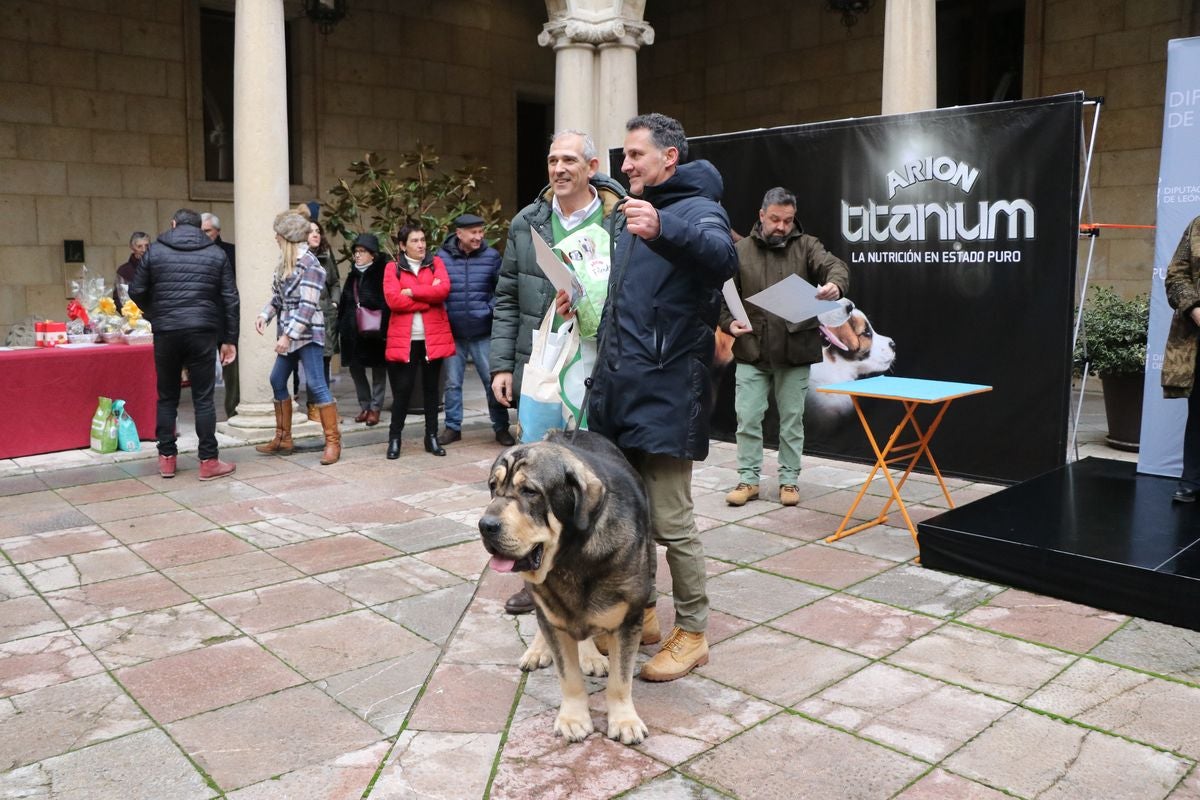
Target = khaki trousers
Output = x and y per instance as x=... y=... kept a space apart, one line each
x=669 y=486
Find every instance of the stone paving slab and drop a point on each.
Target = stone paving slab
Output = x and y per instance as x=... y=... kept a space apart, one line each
x=251 y=741
x=1132 y=704
x=1047 y=620
x=1035 y=756
x=1006 y=668
x=347 y=636
x=143 y=766
x=916 y=715
x=819 y=762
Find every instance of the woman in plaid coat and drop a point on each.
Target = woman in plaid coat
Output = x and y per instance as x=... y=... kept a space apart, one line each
x=295 y=304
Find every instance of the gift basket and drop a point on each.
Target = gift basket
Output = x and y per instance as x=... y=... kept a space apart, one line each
x=136 y=328
x=91 y=311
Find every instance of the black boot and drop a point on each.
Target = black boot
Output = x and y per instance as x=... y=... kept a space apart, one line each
x=393 y=448
x=432 y=446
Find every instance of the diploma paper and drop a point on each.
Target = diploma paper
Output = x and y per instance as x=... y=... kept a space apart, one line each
x=558 y=273
x=793 y=298
x=734 y=302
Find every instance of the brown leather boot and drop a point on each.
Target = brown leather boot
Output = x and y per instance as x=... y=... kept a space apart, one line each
x=313 y=414
x=333 y=435
x=680 y=654
x=281 y=445
x=651 y=632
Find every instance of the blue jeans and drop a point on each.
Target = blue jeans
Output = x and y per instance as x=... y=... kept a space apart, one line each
x=456 y=367
x=312 y=356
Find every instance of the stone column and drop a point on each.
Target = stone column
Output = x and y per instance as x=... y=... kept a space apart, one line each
x=260 y=189
x=574 y=78
x=909 y=56
x=596 y=69
x=616 y=89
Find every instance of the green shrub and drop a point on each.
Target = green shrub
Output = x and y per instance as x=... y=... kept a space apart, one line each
x=374 y=199
x=1114 y=333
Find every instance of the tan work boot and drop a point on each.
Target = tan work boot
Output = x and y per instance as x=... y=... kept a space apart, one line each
x=651 y=632
x=282 y=443
x=681 y=653
x=789 y=495
x=742 y=493
x=333 y=435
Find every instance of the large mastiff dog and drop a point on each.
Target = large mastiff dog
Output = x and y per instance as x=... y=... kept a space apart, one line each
x=571 y=516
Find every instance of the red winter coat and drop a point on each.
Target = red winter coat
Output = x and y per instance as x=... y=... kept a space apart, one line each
x=426 y=298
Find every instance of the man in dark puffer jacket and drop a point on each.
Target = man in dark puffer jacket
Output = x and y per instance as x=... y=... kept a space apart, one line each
x=185 y=287
x=473 y=266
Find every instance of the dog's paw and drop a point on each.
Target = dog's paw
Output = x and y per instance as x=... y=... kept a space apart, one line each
x=591 y=661
x=626 y=727
x=573 y=725
x=537 y=656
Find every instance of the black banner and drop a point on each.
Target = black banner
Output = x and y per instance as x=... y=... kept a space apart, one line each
x=959 y=227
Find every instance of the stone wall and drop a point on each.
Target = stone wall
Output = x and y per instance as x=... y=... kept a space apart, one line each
x=94 y=116
x=722 y=67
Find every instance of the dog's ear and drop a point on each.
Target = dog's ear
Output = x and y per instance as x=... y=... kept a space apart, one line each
x=590 y=495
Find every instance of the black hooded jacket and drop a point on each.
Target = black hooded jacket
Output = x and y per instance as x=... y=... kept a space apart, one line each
x=652 y=389
x=185 y=283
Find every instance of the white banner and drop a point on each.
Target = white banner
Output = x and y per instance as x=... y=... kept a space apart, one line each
x=1161 y=451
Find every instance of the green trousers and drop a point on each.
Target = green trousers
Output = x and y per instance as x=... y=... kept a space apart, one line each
x=669 y=486
x=790 y=385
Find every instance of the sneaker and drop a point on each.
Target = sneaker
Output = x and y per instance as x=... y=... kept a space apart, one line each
x=1185 y=494
x=742 y=493
x=166 y=466
x=505 y=438
x=651 y=632
x=680 y=654
x=449 y=435
x=213 y=468
x=789 y=495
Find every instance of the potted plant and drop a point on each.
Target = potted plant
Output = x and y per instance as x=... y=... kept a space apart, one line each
x=1114 y=345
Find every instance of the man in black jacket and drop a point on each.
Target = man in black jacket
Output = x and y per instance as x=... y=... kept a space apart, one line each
x=651 y=392
x=185 y=287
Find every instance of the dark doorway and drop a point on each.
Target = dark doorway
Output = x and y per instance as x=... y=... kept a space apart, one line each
x=535 y=126
x=980 y=51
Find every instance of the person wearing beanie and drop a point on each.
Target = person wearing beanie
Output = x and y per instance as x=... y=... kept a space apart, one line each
x=363 y=350
x=295 y=304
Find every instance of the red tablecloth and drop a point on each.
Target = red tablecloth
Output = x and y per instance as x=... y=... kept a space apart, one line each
x=49 y=394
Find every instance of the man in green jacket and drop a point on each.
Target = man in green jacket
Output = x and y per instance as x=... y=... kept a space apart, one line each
x=772 y=353
x=577 y=197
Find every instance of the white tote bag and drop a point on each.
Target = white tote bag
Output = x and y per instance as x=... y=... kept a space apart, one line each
x=540 y=408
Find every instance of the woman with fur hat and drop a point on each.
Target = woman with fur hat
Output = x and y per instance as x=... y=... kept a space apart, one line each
x=300 y=329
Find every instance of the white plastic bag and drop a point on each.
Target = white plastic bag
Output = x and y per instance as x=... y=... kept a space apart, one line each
x=540 y=408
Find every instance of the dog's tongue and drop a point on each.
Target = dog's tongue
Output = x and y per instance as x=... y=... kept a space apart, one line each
x=502 y=564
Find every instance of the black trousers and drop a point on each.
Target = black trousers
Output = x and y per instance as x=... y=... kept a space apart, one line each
x=402 y=376
x=195 y=351
x=1191 y=435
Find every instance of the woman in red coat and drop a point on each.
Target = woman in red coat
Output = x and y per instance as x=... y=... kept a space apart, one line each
x=418 y=335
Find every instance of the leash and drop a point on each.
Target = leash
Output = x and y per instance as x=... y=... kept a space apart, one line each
x=608 y=317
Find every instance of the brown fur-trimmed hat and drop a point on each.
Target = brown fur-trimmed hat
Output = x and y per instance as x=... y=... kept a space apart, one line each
x=292 y=226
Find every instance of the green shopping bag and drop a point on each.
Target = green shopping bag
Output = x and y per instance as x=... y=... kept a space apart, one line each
x=104 y=427
x=127 y=432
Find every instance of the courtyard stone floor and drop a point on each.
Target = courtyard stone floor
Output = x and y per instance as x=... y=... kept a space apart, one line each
x=329 y=633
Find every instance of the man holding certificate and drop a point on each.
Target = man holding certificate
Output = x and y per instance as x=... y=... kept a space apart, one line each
x=773 y=354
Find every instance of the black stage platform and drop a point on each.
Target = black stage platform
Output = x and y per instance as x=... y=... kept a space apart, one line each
x=1094 y=532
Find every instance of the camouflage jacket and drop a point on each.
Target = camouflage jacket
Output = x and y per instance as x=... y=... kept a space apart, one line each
x=1183 y=293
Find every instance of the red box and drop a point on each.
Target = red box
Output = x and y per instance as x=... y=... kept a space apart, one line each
x=54 y=333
